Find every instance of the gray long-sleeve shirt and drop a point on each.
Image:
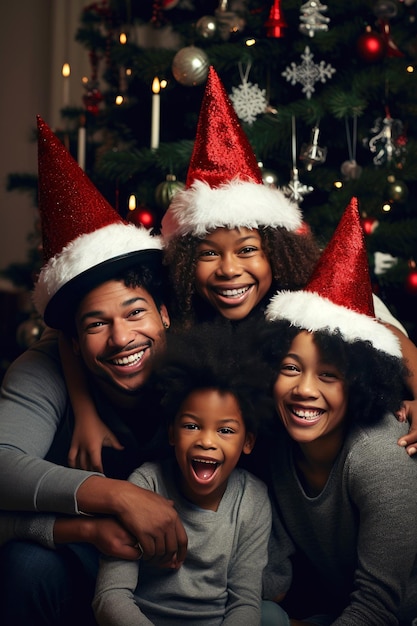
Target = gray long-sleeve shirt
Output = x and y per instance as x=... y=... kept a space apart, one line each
x=36 y=426
x=359 y=532
x=221 y=579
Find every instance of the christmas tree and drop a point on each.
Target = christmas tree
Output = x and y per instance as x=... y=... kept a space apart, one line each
x=326 y=95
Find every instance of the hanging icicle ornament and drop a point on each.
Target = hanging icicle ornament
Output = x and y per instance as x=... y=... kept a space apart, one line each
x=295 y=190
x=275 y=23
x=308 y=73
x=312 y=154
x=248 y=100
x=311 y=18
x=389 y=142
x=350 y=169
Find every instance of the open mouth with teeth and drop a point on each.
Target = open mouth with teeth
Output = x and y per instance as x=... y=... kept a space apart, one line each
x=308 y=415
x=204 y=469
x=128 y=361
x=232 y=293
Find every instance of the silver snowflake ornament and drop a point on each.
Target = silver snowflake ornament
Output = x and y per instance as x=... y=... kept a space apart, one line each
x=308 y=73
x=249 y=101
x=296 y=190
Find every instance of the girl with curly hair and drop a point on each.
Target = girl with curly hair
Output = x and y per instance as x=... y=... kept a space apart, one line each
x=343 y=547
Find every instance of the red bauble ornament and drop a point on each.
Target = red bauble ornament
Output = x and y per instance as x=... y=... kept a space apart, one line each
x=371 y=46
x=92 y=100
x=141 y=216
x=275 y=23
x=369 y=224
x=411 y=281
x=304 y=229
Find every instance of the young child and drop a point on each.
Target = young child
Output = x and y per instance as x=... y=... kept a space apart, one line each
x=343 y=492
x=214 y=401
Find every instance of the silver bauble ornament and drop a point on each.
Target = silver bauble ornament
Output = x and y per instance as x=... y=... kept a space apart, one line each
x=351 y=170
x=29 y=331
x=190 y=66
x=385 y=9
x=206 y=26
x=397 y=191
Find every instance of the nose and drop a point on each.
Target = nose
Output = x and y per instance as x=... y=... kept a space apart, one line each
x=229 y=266
x=120 y=334
x=206 y=440
x=306 y=386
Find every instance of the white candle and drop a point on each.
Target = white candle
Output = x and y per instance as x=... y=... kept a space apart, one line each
x=156 y=86
x=81 y=146
x=66 y=71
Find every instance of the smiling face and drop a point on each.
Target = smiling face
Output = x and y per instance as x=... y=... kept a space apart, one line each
x=310 y=395
x=119 y=331
x=233 y=272
x=209 y=436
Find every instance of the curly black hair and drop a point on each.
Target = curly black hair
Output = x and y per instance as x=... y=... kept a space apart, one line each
x=292 y=257
x=375 y=380
x=214 y=356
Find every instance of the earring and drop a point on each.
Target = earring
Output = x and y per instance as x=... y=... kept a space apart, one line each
x=166 y=325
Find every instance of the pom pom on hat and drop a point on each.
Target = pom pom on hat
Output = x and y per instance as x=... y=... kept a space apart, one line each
x=224 y=185
x=85 y=241
x=338 y=297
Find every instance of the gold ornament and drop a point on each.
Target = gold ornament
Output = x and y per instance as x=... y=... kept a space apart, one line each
x=166 y=190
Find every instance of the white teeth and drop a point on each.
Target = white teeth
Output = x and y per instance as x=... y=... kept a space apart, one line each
x=205 y=461
x=307 y=415
x=129 y=360
x=233 y=293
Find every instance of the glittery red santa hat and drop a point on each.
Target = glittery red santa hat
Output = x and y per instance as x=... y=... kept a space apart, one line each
x=85 y=241
x=338 y=297
x=224 y=185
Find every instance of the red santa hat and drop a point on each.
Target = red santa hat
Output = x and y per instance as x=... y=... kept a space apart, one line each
x=224 y=185
x=85 y=241
x=338 y=297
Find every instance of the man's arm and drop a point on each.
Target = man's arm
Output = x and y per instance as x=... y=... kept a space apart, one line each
x=32 y=411
x=149 y=517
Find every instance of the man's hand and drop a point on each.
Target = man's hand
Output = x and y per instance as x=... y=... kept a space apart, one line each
x=408 y=411
x=147 y=516
x=105 y=533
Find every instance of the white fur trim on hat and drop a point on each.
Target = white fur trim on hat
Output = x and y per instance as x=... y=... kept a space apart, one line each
x=236 y=204
x=312 y=312
x=87 y=251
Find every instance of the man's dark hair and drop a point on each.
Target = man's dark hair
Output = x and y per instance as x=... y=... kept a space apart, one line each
x=154 y=282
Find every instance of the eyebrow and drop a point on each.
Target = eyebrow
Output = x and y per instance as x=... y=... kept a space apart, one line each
x=99 y=313
x=209 y=242
x=226 y=420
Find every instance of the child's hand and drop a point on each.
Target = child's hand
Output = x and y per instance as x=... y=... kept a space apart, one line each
x=87 y=441
x=408 y=411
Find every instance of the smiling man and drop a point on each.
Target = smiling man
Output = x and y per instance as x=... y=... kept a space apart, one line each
x=102 y=283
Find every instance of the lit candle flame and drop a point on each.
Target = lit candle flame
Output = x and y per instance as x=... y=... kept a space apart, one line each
x=66 y=70
x=132 y=202
x=156 y=85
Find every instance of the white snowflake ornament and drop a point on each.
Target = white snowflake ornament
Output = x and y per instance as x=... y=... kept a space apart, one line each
x=248 y=99
x=296 y=190
x=308 y=73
